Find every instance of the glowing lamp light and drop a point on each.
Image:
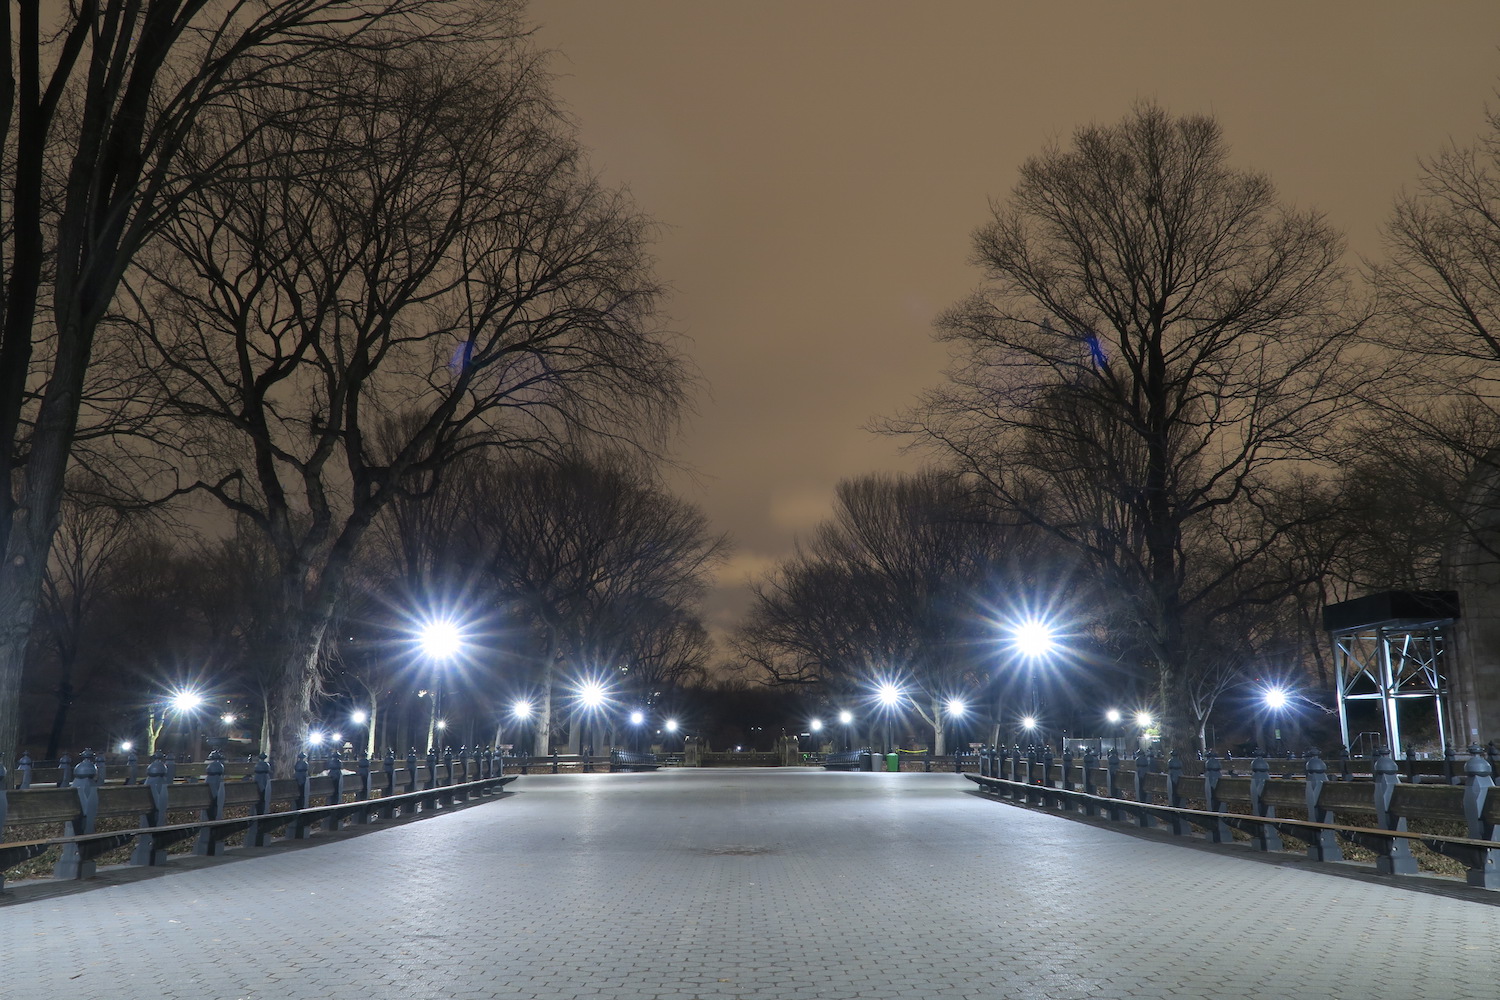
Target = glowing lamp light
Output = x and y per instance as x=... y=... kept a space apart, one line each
x=1275 y=698
x=315 y=738
x=1114 y=716
x=591 y=694
x=1028 y=722
x=888 y=693
x=956 y=707
x=127 y=746
x=521 y=709
x=186 y=701
x=1144 y=720
x=336 y=737
x=441 y=639
x=359 y=717
x=637 y=717
x=816 y=725
x=671 y=725
x=1033 y=638
x=229 y=718
x=846 y=717
x=442 y=723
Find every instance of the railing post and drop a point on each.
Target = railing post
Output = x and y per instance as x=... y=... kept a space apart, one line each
x=301 y=825
x=64 y=771
x=259 y=834
x=1090 y=762
x=146 y=851
x=411 y=780
x=24 y=766
x=1112 y=784
x=1266 y=837
x=72 y=864
x=1478 y=781
x=1048 y=799
x=1322 y=845
x=1395 y=853
x=332 y=822
x=459 y=794
x=208 y=842
x=433 y=781
x=1346 y=772
x=1142 y=817
x=554 y=760
x=1218 y=830
x=366 y=789
x=132 y=764
x=1067 y=775
x=4 y=810
x=387 y=810
x=1179 y=824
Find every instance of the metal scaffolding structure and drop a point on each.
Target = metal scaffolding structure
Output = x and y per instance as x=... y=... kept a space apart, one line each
x=1394 y=648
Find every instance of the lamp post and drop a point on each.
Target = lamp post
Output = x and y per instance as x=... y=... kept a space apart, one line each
x=521 y=710
x=846 y=719
x=955 y=709
x=637 y=720
x=814 y=727
x=1114 y=717
x=441 y=640
x=591 y=695
x=184 y=703
x=1035 y=640
x=1276 y=701
x=1143 y=721
x=889 y=696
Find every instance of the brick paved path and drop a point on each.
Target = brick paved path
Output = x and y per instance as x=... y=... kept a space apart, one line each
x=717 y=885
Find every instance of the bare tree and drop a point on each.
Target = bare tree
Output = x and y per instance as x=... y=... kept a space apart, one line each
x=1157 y=342
x=426 y=259
x=96 y=108
x=602 y=564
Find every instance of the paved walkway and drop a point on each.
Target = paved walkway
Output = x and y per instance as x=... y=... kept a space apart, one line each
x=725 y=885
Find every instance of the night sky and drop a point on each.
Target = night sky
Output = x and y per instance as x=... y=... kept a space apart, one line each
x=818 y=168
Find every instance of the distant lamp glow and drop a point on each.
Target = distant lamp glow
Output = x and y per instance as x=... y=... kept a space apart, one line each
x=956 y=707
x=126 y=746
x=186 y=701
x=521 y=709
x=359 y=716
x=442 y=724
x=1028 y=722
x=1033 y=638
x=315 y=738
x=1144 y=720
x=441 y=639
x=336 y=737
x=671 y=725
x=888 y=693
x=1275 y=698
x=846 y=717
x=229 y=718
x=637 y=717
x=1113 y=716
x=816 y=725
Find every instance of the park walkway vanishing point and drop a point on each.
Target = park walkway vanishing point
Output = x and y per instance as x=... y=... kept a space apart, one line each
x=737 y=884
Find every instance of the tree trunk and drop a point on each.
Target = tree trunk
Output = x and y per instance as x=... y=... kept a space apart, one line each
x=292 y=696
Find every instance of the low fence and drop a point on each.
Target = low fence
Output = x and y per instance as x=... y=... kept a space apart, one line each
x=1257 y=804
x=298 y=805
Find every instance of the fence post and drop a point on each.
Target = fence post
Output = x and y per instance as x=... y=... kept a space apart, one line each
x=208 y=842
x=1218 y=830
x=1478 y=781
x=64 y=771
x=367 y=814
x=333 y=821
x=24 y=766
x=1322 y=845
x=386 y=809
x=146 y=851
x=1179 y=823
x=432 y=776
x=1395 y=853
x=1112 y=765
x=259 y=834
x=1266 y=836
x=1142 y=817
x=132 y=763
x=1090 y=762
x=1346 y=773
x=459 y=794
x=84 y=782
x=411 y=779
x=1047 y=798
x=1067 y=777
x=301 y=825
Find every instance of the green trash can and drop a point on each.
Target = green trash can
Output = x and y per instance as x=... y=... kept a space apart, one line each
x=893 y=762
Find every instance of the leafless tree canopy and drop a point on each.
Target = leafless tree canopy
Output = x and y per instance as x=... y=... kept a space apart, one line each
x=1156 y=342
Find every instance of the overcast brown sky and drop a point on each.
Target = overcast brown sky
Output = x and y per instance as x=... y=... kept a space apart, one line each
x=819 y=167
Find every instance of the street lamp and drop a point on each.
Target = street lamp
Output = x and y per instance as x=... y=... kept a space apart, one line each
x=846 y=719
x=1114 y=717
x=637 y=720
x=592 y=694
x=889 y=696
x=440 y=640
x=185 y=702
x=1276 y=700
